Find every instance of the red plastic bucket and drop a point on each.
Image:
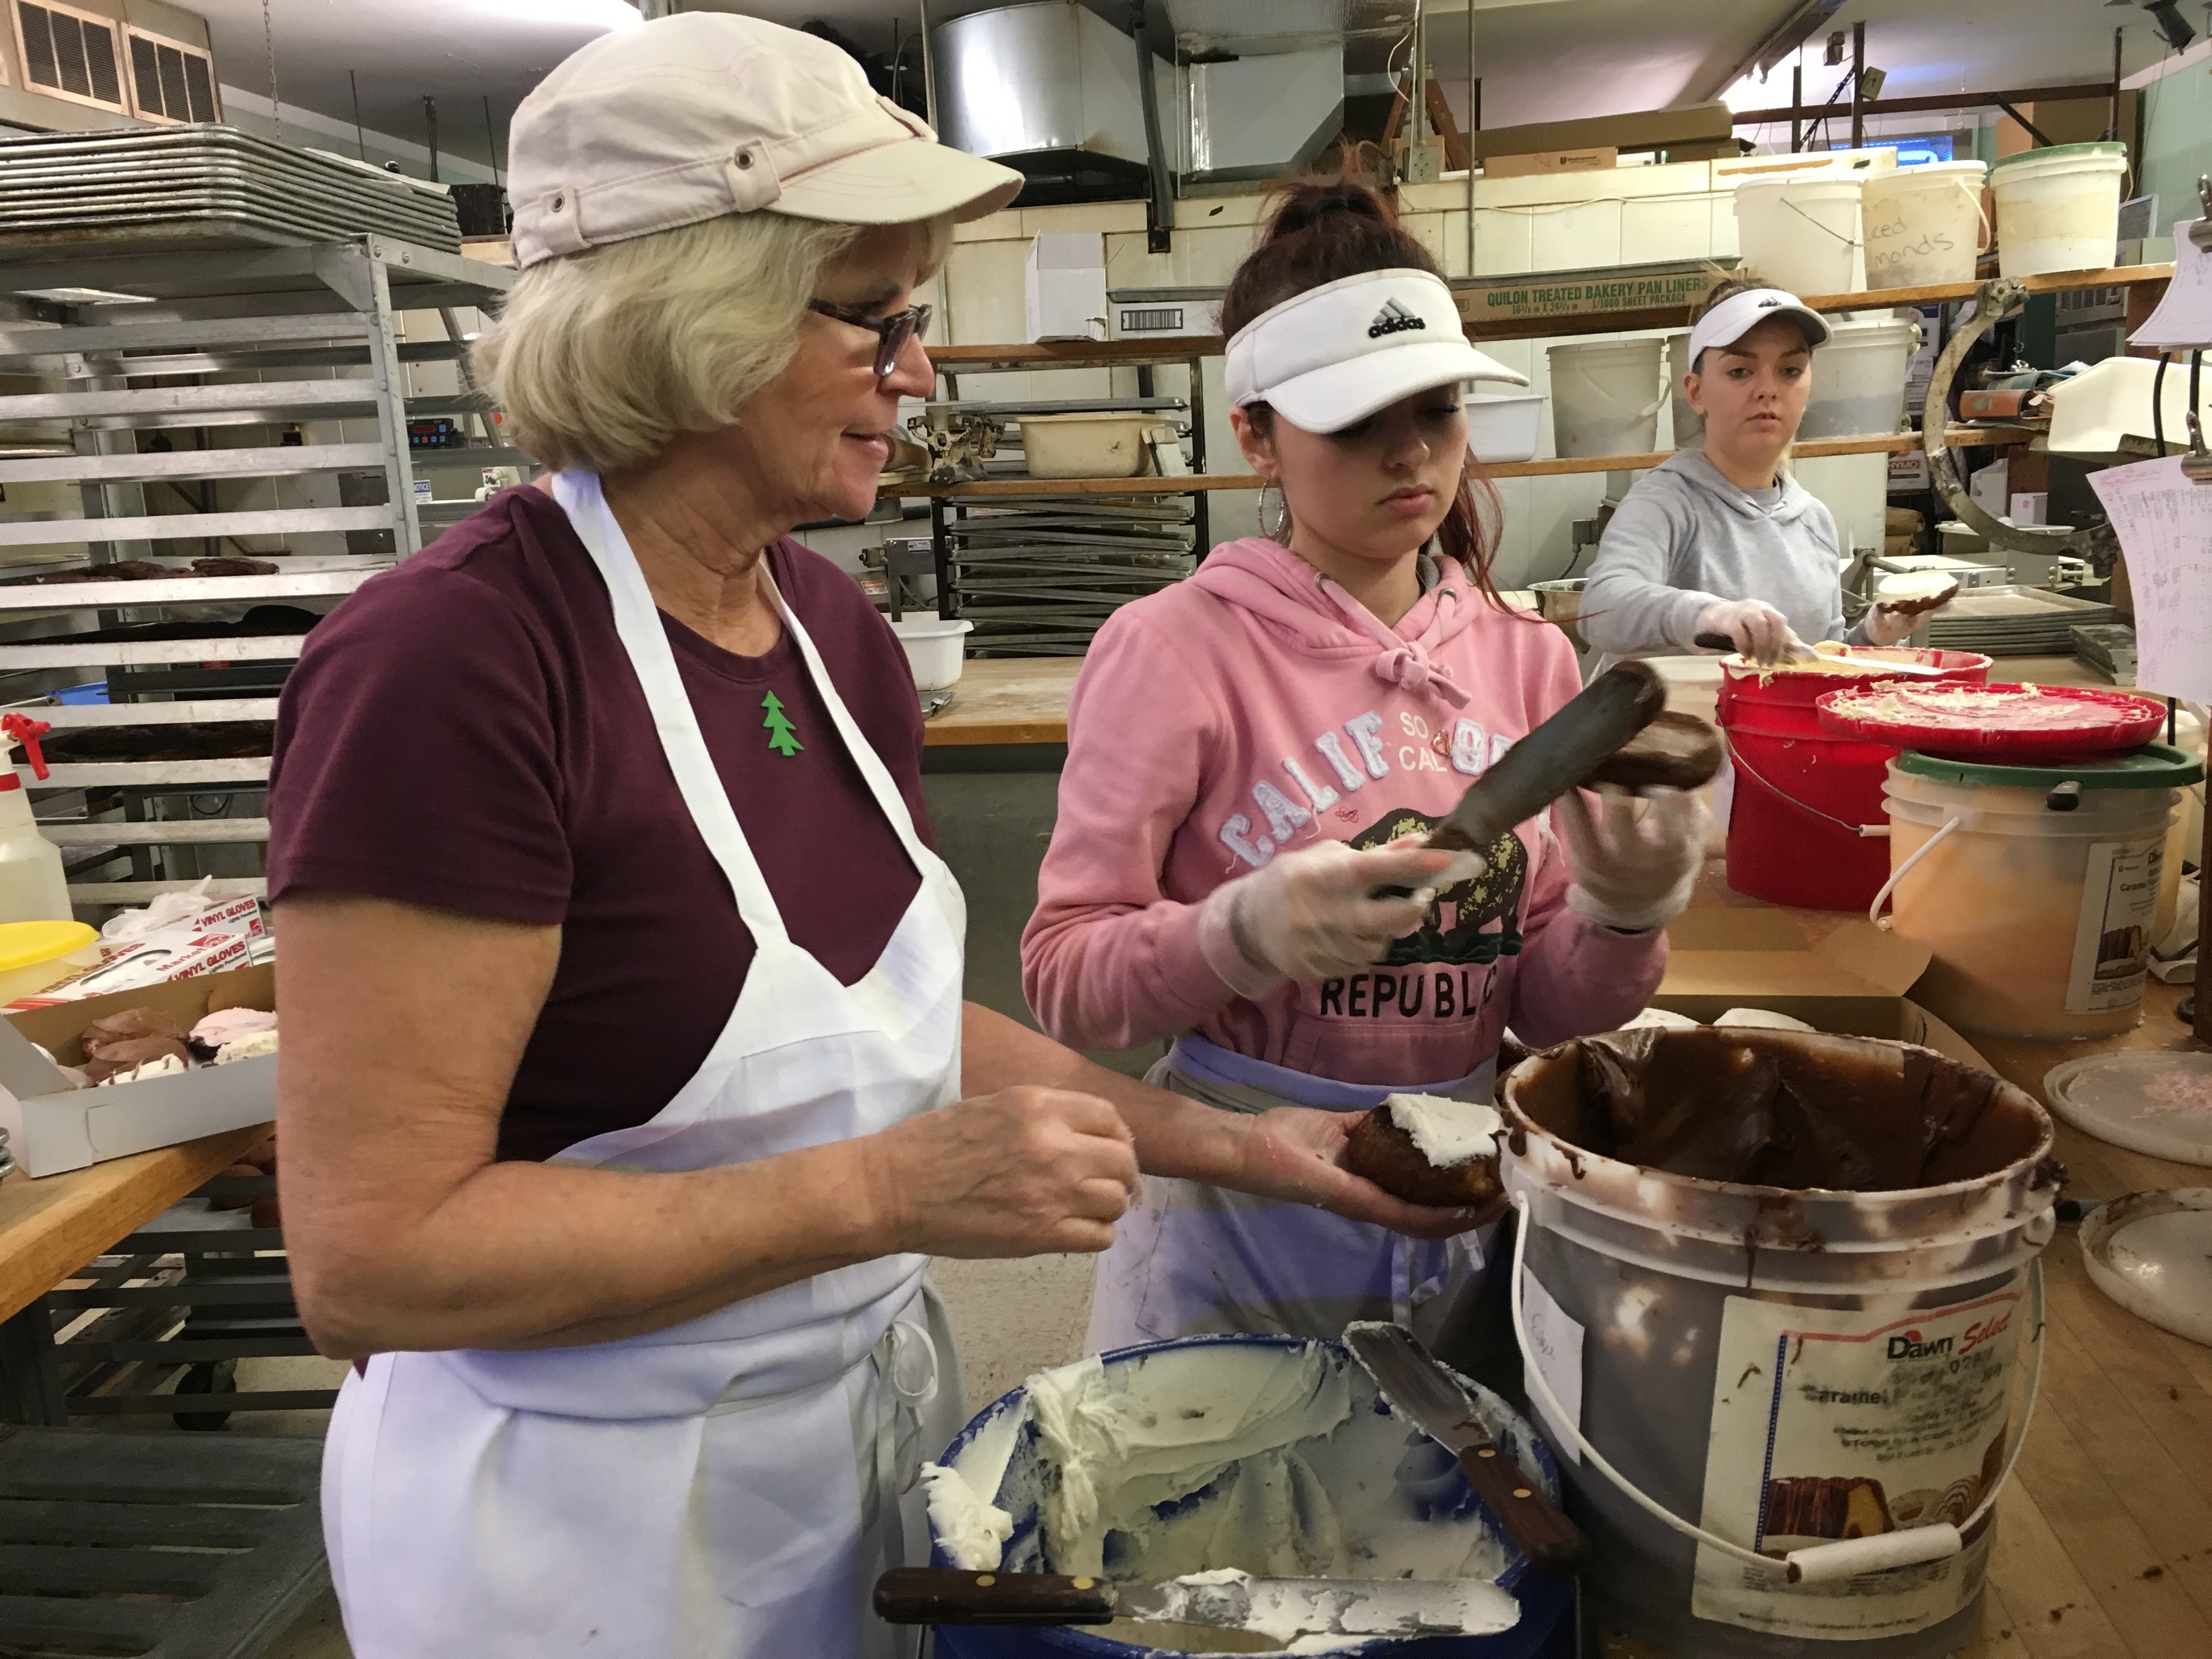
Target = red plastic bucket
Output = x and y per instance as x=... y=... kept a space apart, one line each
x=1802 y=792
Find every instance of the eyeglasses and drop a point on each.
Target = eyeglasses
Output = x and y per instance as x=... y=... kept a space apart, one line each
x=891 y=332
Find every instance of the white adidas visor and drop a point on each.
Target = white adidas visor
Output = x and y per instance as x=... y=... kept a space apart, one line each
x=1737 y=315
x=1334 y=355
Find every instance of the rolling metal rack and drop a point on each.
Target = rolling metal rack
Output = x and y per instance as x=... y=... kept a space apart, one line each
x=152 y=351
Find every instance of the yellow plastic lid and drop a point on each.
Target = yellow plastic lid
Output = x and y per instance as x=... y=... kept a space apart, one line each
x=28 y=944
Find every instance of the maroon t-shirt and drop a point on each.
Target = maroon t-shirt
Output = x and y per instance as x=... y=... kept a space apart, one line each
x=466 y=732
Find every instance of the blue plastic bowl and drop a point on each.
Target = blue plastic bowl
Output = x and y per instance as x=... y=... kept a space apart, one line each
x=1545 y=1601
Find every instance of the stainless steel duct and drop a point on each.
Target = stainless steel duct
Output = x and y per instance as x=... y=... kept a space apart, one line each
x=1265 y=83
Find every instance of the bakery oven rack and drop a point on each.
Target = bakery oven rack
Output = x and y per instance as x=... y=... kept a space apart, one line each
x=186 y=401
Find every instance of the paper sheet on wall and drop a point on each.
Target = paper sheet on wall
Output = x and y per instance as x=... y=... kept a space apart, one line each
x=2184 y=317
x=2164 y=523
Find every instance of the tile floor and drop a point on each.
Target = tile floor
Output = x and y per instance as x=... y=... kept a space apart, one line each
x=1012 y=1318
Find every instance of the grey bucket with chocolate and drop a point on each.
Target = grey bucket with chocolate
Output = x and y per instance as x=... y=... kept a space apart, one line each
x=1794 y=1270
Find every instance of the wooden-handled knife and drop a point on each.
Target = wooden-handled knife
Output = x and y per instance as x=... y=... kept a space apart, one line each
x=1418 y=1388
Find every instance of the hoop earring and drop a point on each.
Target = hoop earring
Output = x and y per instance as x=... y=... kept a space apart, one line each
x=1274 y=532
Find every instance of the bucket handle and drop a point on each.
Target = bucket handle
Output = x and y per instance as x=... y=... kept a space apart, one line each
x=1873 y=910
x=1865 y=831
x=1848 y=241
x=1816 y=1563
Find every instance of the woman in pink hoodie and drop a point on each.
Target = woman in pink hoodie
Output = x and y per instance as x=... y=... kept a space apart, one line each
x=1251 y=753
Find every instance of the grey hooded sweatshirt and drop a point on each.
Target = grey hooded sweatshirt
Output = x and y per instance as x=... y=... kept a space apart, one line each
x=1685 y=537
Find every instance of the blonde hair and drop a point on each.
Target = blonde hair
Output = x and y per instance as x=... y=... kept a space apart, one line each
x=599 y=358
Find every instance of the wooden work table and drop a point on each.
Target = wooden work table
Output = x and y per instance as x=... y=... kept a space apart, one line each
x=51 y=1227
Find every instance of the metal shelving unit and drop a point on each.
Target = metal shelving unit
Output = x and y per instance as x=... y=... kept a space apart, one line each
x=148 y=346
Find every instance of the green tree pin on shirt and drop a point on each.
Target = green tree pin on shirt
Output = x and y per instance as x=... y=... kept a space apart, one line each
x=780 y=736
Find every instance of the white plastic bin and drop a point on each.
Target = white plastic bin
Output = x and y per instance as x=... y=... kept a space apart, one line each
x=1858 y=380
x=1606 y=397
x=934 y=648
x=1924 y=224
x=2058 y=209
x=1106 y=444
x=1802 y=231
x=1507 y=428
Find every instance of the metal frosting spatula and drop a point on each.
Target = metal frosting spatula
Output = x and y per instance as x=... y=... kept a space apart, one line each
x=1284 y=1608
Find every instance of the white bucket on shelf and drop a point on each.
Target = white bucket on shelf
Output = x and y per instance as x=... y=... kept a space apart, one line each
x=2040 y=913
x=1606 y=397
x=1858 y=379
x=1505 y=429
x=1802 y=232
x=1689 y=425
x=1924 y=224
x=2058 y=209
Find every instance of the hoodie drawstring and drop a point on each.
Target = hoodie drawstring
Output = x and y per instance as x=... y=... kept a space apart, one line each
x=1404 y=663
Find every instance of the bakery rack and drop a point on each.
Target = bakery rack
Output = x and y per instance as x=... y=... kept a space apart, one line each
x=189 y=379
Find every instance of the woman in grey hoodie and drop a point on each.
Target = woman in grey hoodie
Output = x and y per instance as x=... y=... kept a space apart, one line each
x=1720 y=540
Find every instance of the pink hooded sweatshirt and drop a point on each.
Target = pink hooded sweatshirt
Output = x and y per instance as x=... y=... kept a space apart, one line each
x=1254 y=709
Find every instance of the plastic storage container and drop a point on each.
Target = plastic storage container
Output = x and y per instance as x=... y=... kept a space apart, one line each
x=996 y=1454
x=1924 y=224
x=934 y=648
x=2058 y=209
x=1606 y=397
x=1509 y=429
x=1803 y=796
x=1801 y=232
x=2036 y=887
x=1858 y=380
x=36 y=954
x=1101 y=445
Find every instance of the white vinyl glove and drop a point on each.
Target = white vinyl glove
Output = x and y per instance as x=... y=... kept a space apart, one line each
x=1635 y=859
x=1313 y=914
x=1760 y=632
x=1884 y=626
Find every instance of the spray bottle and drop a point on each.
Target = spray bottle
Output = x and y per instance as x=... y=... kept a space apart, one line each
x=31 y=887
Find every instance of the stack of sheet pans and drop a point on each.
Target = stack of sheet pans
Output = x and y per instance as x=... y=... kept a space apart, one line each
x=1038 y=575
x=151 y=189
x=2108 y=647
x=2011 y=621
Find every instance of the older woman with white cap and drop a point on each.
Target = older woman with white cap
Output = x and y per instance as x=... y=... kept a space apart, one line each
x=1720 y=542
x=1248 y=753
x=627 y=1084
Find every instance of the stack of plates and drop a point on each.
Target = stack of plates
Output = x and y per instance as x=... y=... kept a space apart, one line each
x=139 y=189
x=2010 y=621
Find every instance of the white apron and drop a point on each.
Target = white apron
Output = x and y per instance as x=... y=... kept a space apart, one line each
x=1191 y=1259
x=729 y=1488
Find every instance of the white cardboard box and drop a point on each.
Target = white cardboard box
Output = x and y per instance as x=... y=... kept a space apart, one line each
x=53 y=1127
x=1065 y=286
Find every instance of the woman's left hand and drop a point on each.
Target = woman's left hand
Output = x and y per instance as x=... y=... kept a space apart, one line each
x=1633 y=868
x=1294 y=1153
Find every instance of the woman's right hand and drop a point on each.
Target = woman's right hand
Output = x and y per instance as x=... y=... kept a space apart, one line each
x=1760 y=632
x=1026 y=1171
x=1318 y=913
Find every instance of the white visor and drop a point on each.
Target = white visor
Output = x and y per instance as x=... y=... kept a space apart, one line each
x=1334 y=355
x=1737 y=315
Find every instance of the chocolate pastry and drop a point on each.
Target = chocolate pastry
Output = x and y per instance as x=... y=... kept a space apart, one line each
x=1676 y=751
x=231 y=566
x=112 y=1059
x=1385 y=1154
x=1911 y=595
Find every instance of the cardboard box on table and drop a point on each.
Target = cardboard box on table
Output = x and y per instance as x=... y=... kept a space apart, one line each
x=53 y=1127
x=1851 y=981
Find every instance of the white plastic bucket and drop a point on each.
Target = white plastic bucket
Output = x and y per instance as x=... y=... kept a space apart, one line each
x=2058 y=209
x=1606 y=397
x=1858 y=380
x=1802 y=232
x=2039 y=902
x=1689 y=425
x=1924 y=224
x=1716 y=1361
x=934 y=647
x=1507 y=428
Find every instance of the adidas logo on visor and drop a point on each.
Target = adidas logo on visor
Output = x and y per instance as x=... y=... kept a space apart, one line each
x=1393 y=318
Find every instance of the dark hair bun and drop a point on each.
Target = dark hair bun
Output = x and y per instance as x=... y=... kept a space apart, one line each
x=1305 y=205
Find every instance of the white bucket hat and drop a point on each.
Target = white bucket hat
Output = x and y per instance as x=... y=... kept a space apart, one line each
x=1334 y=355
x=1737 y=315
x=695 y=116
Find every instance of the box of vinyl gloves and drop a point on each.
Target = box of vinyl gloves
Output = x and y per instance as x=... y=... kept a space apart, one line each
x=53 y=1125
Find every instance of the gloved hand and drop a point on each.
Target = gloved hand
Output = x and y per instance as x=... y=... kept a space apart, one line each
x=1760 y=632
x=1884 y=626
x=1635 y=859
x=1313 y=914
